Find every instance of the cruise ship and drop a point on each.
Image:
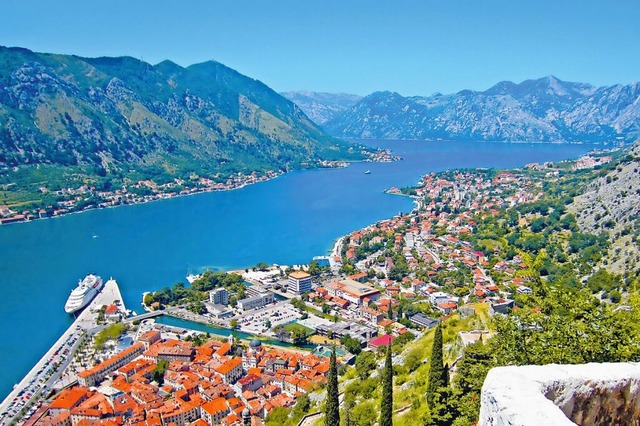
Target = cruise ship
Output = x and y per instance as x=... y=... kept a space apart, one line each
x=83 y=294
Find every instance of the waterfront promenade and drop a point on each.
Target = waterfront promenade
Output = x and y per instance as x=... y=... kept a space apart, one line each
x=40 y=379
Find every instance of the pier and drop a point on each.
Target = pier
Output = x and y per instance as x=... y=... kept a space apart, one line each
x=40 y=380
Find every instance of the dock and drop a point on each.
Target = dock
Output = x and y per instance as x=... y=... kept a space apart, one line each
x=40 y=379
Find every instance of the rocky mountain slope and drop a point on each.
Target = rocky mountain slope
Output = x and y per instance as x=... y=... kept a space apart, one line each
x=322 y=107
x=546 y=109
x=611 y=204
x=122 y=114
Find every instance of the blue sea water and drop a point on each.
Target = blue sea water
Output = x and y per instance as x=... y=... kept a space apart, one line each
x=149 y=246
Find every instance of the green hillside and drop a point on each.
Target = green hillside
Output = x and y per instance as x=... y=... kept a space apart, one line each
x=105 y=120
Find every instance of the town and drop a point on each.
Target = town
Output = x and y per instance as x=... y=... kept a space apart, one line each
x=385 y=284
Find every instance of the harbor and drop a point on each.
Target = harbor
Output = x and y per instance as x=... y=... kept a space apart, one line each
x=43 y=377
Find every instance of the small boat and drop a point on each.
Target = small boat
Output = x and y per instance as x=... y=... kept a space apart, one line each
x=368 y=172
x=192 y=277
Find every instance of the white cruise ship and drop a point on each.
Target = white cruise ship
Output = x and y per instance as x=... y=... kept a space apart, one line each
x=83 y=294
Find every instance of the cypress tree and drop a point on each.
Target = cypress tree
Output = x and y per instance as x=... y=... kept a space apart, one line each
x=437 y=373
x=386 y=409
x=347 y=412
x=332 y=408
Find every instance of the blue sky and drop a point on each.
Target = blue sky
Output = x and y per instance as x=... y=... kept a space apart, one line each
x=412 y=47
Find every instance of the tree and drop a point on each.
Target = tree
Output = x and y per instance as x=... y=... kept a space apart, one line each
x=437 y=372
x=473 y=367
x=299 y=337
x=363 y=414
x=347 y=412
x=352 y=345
x=148 y=299
x=261 y=266
x=157 y=375
x=278 y=416
x=386 y=408
x=314 y=269
x=365 y=362
x=302 y=406
x=332 y=408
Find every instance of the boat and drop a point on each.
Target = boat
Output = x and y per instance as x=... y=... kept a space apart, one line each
x=80 y=296
x=192 y=277
x=368 y=172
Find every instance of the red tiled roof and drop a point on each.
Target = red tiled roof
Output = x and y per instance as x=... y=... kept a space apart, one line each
x=385 y=340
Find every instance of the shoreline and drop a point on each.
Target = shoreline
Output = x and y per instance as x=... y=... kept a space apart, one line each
x=159 y=198
x=69 y=341
x=338 y=164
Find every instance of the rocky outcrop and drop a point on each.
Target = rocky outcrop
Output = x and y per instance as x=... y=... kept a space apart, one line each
x=560 y=395
x=611 y=204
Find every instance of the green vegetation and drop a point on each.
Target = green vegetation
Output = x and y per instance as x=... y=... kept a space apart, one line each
x=293 y=332
x=437 y=371
x=194 y=295
x=107 y=122
x=350 y=344
x=386 y=407
x=332 y=406
x=157 y=375
x=111 y=332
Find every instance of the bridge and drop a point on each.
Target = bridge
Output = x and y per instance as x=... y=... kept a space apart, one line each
x=144 y=316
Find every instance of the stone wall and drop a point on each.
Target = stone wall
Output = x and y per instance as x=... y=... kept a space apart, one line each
x=560 y=395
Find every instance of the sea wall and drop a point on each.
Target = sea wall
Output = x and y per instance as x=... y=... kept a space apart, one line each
x=560 y=395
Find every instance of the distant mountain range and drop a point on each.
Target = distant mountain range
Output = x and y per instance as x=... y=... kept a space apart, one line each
x=115 y=115
x=542 y=110
x=322 y=107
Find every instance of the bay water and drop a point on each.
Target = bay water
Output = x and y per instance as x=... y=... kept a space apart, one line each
x=149 y=246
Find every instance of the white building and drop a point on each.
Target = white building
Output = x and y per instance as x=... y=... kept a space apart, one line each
x=256 y=302
x=219 y=296
x=299 y=282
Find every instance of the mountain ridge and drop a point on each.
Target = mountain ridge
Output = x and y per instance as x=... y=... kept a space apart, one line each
x=538 y=110
x=321 y=106
x=112 y=113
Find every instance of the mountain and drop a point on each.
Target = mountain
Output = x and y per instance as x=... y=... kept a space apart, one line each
x=543 y=110
x=118 y=115
x=322 y=107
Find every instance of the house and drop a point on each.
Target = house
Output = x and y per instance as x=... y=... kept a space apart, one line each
x=422 y=320
x=372 y=315
x=214 y=411
x=501 y=306
x=523 y=290
x=447 y=307
x=231 y=370
x=438 y=297
x=385 y=340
